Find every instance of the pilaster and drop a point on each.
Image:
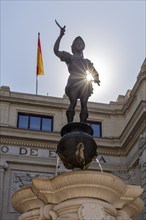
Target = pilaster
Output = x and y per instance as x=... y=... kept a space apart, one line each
x=3 y=168
x=143 y=178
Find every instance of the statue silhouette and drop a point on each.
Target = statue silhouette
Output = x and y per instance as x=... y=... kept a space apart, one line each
x=78 y=87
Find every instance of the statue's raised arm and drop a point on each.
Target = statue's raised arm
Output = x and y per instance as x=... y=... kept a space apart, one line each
x=57 y=43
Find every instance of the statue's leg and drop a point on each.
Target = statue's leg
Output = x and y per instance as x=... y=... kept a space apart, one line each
x=71 y=110
x=84 y=109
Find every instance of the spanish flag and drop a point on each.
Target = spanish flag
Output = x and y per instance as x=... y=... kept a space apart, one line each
x=40 y=68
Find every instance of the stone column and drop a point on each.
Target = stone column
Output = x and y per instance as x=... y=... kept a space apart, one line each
x=3 y=168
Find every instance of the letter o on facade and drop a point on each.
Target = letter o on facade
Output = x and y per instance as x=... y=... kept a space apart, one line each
x=4 y=149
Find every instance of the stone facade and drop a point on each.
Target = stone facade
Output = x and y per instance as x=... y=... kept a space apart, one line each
x=27 y=154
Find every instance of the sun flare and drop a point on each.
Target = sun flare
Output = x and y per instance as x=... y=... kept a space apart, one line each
x=89 y=76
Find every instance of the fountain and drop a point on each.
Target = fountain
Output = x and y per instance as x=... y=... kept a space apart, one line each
x=77 y=147
x=80 y=194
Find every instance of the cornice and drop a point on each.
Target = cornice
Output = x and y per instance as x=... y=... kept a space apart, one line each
x=141 y=79
x=30 y=134
x=115 y=108
x=101 y=149
x=120 y=107
x=26 y=143
x=105 y=146
x=46 y=102
x=19 y=137
x=135 y=126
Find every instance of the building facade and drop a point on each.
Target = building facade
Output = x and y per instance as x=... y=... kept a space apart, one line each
x=30 y=131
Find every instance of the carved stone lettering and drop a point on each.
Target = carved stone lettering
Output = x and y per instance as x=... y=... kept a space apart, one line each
x=34 y=152
x=4 y=149
x=22 y=151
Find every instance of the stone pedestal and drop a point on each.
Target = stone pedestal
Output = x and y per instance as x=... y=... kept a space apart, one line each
x=78 y=195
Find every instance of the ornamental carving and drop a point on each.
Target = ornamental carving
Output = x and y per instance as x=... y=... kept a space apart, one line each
x=91 y=211
x=21 y=179
x=47 y=213
x=3 y=165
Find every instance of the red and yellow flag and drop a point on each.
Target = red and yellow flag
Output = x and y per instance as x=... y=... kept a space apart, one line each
x=40 y=68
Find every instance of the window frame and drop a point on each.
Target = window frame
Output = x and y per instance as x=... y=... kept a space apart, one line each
x=29 y=115
x=99 y=123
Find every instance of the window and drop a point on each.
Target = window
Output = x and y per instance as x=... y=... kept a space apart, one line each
x=46 y=124
x=35 y=122
x=96 y=126
x=23 y=121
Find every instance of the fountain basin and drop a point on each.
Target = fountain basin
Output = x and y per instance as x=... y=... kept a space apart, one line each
x=77 y=147
x=69 y=195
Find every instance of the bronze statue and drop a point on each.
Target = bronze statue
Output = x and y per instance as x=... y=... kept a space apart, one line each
x=78 y=87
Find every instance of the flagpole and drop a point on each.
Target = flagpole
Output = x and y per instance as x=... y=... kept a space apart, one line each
x=37 y=65
x=36 y=84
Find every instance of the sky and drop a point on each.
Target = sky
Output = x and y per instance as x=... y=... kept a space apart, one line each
x=114 y=33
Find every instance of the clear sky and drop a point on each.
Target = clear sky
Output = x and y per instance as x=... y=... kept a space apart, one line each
x=114 y=33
